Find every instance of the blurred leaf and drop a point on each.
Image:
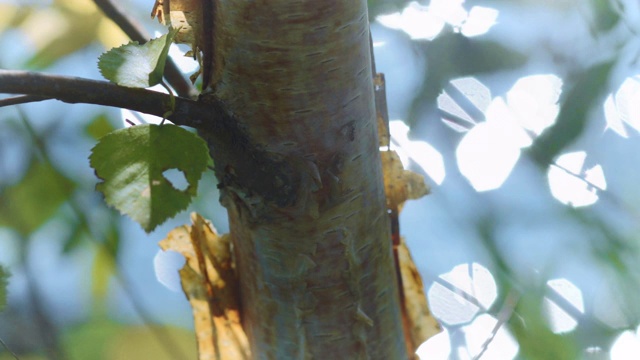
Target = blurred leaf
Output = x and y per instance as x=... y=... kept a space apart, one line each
x=7 y=356
x=28 y=204
x=136 y=65
x=103 y=268
x=380 y=7
x=605 y=16
x=105 y=263
x=453 y=55
x=4 y=279
x=75 y=238
x=99 y=126
x=12 y=15
x=141 y=343
x=102 y=339
x=112 y=240
x=91 y=340
x=536 y=340
x=131 y=162
x=65 y=32
x=573 y=115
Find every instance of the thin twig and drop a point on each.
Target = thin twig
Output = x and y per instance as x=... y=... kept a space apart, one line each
x=4 y=345
x=136 y=32
x=22 y=99
x=460 y=292
x=159 y=332
x=503 y=316
x=78 y=90
x=46 y=329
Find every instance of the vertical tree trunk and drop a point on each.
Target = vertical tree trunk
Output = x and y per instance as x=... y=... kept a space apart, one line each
x=309 y=226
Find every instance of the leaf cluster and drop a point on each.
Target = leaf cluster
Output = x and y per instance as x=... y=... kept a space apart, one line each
x=132 y=161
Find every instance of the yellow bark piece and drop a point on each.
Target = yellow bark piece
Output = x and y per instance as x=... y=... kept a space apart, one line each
x=422 y=324
x=184 y=15
x=400 y=184
x=209 y=281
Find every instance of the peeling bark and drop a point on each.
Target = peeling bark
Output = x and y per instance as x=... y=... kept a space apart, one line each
x=309 y=228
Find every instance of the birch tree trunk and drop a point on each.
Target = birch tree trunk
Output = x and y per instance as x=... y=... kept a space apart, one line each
x=309 y=224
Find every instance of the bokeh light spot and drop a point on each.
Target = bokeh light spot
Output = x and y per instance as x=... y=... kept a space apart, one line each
x=571 y=184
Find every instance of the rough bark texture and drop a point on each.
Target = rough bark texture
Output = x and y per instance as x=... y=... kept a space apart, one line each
x=315 y=261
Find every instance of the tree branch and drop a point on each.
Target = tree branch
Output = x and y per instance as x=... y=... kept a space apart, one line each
x=78 y=90
x=22 y=99
x=224 y=134
x=136 y=32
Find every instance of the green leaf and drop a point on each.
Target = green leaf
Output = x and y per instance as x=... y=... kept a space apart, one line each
x=4 y=278
x=131 y=162
x=28 y=204
x=135 y=65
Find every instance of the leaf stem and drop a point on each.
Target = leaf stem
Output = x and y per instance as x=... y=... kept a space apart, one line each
x=172 y=102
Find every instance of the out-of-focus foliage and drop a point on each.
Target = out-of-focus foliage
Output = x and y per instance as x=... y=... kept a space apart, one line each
x=4 y=278
x=574 y=114
x=99 y=127
x=59 y=29
x=377 y=7
x=452 y=55
x=28 y=204
x=102 y=339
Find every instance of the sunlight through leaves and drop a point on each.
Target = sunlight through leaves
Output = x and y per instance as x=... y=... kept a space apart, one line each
x=622 y=110
x=559 y=320
x=497 y=129
x=471 y=341
x=421 y=152
x=572 y=184
x=626 y=346
x=427 y=22
x=458 y=296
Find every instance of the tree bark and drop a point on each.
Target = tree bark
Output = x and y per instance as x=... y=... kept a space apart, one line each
x=311 y=233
